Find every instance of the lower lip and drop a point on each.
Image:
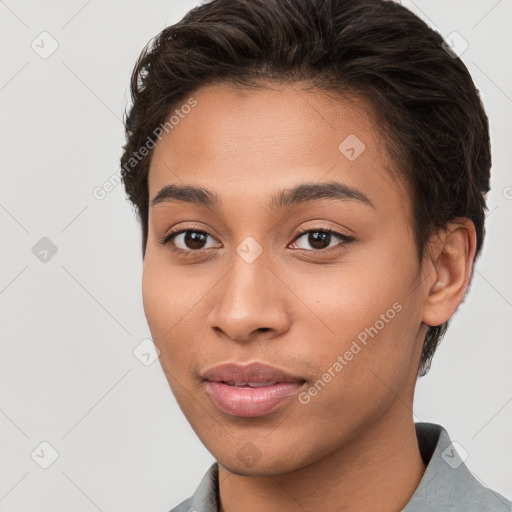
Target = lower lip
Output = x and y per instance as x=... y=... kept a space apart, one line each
x=250 y=402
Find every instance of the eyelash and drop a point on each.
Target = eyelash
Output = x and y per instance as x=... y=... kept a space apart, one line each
x=187 y=253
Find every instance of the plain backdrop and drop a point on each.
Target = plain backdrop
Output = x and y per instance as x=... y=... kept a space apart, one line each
x=113 y=436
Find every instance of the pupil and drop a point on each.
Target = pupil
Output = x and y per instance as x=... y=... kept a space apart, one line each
x=318 y=237
x=194 y=240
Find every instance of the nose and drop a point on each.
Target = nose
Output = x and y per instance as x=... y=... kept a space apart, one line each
x=250 y=302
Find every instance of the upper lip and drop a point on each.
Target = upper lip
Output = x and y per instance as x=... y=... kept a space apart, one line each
x=253 y=372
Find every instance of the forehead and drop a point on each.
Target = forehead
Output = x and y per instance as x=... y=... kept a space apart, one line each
x=253 y=141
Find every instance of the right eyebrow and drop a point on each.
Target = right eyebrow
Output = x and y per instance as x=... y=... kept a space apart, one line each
x=187 y=194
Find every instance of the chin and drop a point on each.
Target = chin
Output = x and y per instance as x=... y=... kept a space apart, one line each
x=249 y=461
x=262 y=470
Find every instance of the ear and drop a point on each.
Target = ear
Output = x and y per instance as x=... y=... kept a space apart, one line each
x=447 y=270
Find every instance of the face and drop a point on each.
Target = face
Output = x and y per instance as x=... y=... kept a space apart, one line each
x=321 y=283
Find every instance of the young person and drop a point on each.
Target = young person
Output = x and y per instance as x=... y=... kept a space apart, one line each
x=310 y=177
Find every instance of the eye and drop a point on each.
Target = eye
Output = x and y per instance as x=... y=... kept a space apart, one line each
x=187 y=240
x=320 y=239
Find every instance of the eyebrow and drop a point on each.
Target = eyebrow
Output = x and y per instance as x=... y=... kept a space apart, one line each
x=293 y=196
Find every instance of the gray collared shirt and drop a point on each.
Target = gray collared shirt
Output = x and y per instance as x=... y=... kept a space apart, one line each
x=447 y=484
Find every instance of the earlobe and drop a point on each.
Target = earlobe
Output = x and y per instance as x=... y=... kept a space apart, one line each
x=452 y=256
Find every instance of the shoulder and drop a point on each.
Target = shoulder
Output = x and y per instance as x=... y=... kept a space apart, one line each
x=205 y=497
x=184 y=506
x=447 y=483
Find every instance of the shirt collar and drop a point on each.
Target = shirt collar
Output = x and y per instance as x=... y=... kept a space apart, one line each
x=447 y=483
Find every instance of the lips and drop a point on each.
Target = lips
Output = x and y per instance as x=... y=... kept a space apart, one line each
x=254 y=373
x=250 y=390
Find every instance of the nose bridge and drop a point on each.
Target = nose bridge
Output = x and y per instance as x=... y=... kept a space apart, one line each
x=250 y=296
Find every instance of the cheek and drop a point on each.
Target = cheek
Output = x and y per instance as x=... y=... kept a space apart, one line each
x=154 y=298
x=350 y=297
x=368 y=313
x=167 y=307
x=168 y=297
x=362 y=367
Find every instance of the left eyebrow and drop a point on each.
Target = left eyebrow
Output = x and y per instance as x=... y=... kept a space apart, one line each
x=293 y=196
x=313 y=191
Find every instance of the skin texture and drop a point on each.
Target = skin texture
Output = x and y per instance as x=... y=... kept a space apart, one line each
x=297 y=307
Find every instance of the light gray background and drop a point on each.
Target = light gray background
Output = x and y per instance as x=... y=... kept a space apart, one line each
x=69 y=326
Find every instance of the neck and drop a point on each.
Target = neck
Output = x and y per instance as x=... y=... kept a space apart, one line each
x=381 y=464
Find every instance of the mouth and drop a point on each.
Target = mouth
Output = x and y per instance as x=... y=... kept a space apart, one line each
x=250 y=390
x=250 y=384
